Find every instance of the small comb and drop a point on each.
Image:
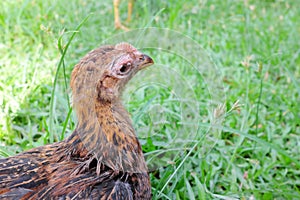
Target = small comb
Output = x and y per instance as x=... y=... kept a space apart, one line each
x=125 y=47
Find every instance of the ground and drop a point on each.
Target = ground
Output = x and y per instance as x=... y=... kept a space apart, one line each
x=218 y=115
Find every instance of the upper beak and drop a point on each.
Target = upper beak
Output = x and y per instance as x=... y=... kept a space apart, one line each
x=144 y=61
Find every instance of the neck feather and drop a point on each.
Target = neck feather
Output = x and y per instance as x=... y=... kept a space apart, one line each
x=105 y=131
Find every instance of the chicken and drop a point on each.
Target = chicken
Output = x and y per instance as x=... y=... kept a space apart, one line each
x=118 y=23
x=102 y=158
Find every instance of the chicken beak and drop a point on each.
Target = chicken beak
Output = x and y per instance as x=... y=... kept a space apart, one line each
x=145 y=61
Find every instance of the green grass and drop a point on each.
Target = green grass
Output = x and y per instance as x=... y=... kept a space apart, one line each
x=217 y=122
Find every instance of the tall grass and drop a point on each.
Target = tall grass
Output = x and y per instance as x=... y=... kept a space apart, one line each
x=245 y=146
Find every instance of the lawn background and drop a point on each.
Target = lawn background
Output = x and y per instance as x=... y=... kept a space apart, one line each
x=255 y=45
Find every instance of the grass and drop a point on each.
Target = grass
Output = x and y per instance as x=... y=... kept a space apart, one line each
x=218 y=114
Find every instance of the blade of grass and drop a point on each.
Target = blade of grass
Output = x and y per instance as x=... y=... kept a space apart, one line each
x=201 y=191
x=50 y=135
x=179 y=166
x=62 y=135
x=189 y=189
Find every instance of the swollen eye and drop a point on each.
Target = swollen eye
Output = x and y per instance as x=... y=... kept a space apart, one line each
x=125 y=68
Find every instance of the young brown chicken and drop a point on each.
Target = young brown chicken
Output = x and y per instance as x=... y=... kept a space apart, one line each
x=102 y=159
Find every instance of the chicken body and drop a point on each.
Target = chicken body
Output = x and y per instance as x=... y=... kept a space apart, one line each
x=102 y=159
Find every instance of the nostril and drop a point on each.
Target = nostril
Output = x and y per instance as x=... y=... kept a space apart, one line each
x=142 y=58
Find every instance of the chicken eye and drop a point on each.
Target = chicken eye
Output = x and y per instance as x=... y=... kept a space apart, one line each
x=125 y=68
